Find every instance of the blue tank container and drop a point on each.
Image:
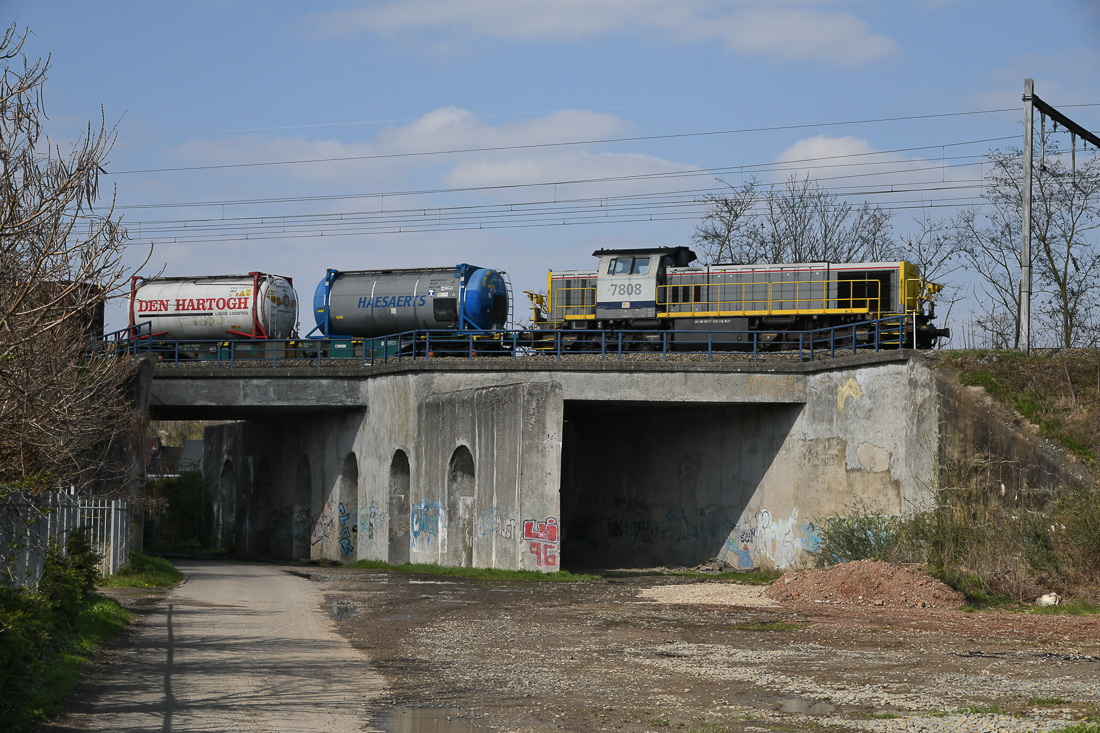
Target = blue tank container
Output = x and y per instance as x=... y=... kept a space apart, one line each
x=372 y=303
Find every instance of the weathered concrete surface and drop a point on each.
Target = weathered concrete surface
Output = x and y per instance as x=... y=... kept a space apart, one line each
x=421 y=474
x=240 y=647
x=507 y=464
x=748 y=483
x=197 y=392
x=986 y=446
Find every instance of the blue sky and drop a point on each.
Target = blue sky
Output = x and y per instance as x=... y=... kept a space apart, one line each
x=390 y=84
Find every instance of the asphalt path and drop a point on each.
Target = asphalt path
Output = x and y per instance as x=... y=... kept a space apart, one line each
x=236 y=647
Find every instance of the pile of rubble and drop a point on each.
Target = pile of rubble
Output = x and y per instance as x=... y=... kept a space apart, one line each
x=865 y=583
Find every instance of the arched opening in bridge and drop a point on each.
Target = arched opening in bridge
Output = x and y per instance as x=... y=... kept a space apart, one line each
x=302 y=509
x=347 y=494
x=646 y=485
x=258 y=520
x=400 y=484
x=460 y=508
x=227 y=527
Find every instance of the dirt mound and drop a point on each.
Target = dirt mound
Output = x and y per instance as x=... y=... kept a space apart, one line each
x=865 y=583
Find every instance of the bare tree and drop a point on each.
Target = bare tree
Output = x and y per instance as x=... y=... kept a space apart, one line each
x=720 y=235
x=64 y=416
x=935 y=248
x=796 y=222
x=1065 y=216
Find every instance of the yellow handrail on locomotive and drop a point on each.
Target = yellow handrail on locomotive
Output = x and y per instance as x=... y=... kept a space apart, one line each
x=571 y=310
x=816 y=302
x=922 y=291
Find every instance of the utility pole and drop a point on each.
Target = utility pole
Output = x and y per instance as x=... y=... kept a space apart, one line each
x=1025 y=251
x=1031 y=103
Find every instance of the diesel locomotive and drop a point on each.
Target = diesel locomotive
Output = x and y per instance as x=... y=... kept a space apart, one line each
x=653 y=291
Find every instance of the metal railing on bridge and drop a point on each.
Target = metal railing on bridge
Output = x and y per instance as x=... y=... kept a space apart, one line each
x=875 y=335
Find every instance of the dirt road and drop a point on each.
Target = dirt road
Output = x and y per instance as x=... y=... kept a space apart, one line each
x=260 y=648
x=648 y=653
x=236 y=647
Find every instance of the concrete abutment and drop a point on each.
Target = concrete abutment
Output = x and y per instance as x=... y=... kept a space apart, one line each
x=522 y=468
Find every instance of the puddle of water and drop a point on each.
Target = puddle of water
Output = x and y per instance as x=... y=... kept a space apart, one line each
x=806 y=707
x=427 y=720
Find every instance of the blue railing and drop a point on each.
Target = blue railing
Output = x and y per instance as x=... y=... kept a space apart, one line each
x=885 y=333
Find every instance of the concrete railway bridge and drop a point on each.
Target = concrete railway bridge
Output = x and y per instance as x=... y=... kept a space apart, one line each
x=539 y=463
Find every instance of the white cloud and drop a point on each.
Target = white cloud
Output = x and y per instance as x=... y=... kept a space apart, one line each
x=1061 y=78
x=853 y=166
x=785 y=29
x=499 y=155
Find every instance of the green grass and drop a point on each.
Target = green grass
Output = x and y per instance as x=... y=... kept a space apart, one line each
x=1045 y=702
x=1036 y=386
x=753 y=577
x=48 y=684
x=144 y=572
x=477 y=573
x=1080 y=728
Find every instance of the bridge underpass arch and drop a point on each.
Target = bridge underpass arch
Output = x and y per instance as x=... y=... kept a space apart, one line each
x=646 y=485
x=347 y=509
x=227 y=526
x=460 y=508
x=259 y=539
x=399 y=486
x=302 y=509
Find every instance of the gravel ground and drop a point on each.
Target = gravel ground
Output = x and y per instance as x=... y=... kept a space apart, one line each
x=650 y=652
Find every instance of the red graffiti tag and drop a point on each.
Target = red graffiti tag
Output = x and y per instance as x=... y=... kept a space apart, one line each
x=544 y=541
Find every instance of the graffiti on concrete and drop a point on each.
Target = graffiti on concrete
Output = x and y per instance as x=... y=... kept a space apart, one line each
x=492 y=521
x=302 y=521
x=543 y=541
x=324 y=526
x=759 y=539
x=348 y=530
x=282 y=528
x=424 y=523
x=678 y=525
x=371 y=519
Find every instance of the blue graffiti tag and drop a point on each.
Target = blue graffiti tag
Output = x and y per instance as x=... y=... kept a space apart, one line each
x=345 y=531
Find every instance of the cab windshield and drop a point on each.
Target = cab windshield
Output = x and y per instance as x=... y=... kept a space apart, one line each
x=628 y=266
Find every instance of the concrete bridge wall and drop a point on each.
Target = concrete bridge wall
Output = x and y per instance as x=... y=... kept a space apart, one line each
x=526 y=468
x=746 y=483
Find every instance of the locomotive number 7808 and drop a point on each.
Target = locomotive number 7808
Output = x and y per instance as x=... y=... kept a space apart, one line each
x=626 y=289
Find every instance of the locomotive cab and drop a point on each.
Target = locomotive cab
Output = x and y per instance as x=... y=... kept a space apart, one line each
x=628 y=282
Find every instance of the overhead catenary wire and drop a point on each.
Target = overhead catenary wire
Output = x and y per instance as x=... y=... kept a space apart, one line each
x=531 y=146
x=651 y=206
x=821 y=162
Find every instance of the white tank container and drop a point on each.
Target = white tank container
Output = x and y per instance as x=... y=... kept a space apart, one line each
x=257 y=305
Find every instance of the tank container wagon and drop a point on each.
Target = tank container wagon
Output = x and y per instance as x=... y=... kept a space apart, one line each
x=370 y=304
x=215 y=307
x=731 y=306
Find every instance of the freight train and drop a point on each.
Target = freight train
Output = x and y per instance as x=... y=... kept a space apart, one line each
x=653 y=291
x=657 y=297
